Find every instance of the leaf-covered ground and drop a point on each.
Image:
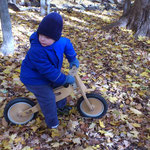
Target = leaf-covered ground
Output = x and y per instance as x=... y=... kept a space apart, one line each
x=112 y=62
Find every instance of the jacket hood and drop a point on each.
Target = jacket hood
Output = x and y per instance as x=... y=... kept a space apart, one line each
x=34 y=38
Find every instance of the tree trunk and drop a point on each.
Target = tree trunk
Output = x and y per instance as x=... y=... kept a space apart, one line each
x=14 y=1
x=135 y=17
x=48 y=6
x=7 y=47
x=22 y=2
x=127 y=7
x=42 y=3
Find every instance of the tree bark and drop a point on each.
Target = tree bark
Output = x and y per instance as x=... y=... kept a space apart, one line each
x=135 y=17
x=42 y=4
x=127 y=7
x=48 y=6
x=13 y=6
x=7 y=47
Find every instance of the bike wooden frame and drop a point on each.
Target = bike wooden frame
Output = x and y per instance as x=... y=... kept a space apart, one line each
x=63 y=92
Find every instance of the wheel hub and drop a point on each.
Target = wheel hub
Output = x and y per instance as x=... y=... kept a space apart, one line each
x=97 y=105
x=14 y=113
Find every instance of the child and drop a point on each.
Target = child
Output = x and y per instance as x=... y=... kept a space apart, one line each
x=41 y=68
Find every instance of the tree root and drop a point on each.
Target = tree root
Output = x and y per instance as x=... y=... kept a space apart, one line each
x=136 y=18
x=17 y=8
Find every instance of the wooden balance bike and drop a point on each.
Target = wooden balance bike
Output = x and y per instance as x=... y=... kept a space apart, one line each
x=21 y=110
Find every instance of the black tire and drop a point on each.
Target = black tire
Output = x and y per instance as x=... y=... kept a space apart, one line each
x=13 y=107
x=98 y=102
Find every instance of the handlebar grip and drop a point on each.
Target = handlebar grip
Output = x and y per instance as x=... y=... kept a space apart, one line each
x=73 y=71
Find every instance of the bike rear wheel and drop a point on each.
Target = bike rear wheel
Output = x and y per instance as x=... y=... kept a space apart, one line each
x=14 y=108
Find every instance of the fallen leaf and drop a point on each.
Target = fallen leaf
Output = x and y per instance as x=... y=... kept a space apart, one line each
x=76 y=141
x=112 y=99
x=137 y=125
x=109 y=134
x=56 y=144
x=134 y=133
x=135 y=111
x=27 y=148
x=101 y=124
x=145 y=74
x=92 y=126
x=55 y=133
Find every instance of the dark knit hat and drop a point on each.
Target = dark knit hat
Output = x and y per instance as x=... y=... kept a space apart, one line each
x=51 y=26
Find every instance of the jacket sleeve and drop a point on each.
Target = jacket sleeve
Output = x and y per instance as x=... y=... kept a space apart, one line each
x=69 y=51
x=43 y=65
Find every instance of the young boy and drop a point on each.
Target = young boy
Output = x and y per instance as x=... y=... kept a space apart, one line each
x=41 y=68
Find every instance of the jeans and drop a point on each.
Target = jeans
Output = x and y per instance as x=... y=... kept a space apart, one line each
x=46 y=99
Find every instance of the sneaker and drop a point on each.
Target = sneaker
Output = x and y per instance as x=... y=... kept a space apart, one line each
x=54 y=127
x=64 y=111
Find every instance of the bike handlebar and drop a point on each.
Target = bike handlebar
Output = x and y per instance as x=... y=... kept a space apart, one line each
x=73 y=71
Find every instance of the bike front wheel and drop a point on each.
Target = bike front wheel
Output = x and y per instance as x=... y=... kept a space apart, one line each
x=98 y=102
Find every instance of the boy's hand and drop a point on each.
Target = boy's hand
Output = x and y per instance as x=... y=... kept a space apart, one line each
x=74 y=63
x=69 y=80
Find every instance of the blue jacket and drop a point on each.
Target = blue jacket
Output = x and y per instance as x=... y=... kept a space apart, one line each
x=42 y=65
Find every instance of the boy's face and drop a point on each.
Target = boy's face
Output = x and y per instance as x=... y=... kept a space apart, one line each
x=45 y=41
